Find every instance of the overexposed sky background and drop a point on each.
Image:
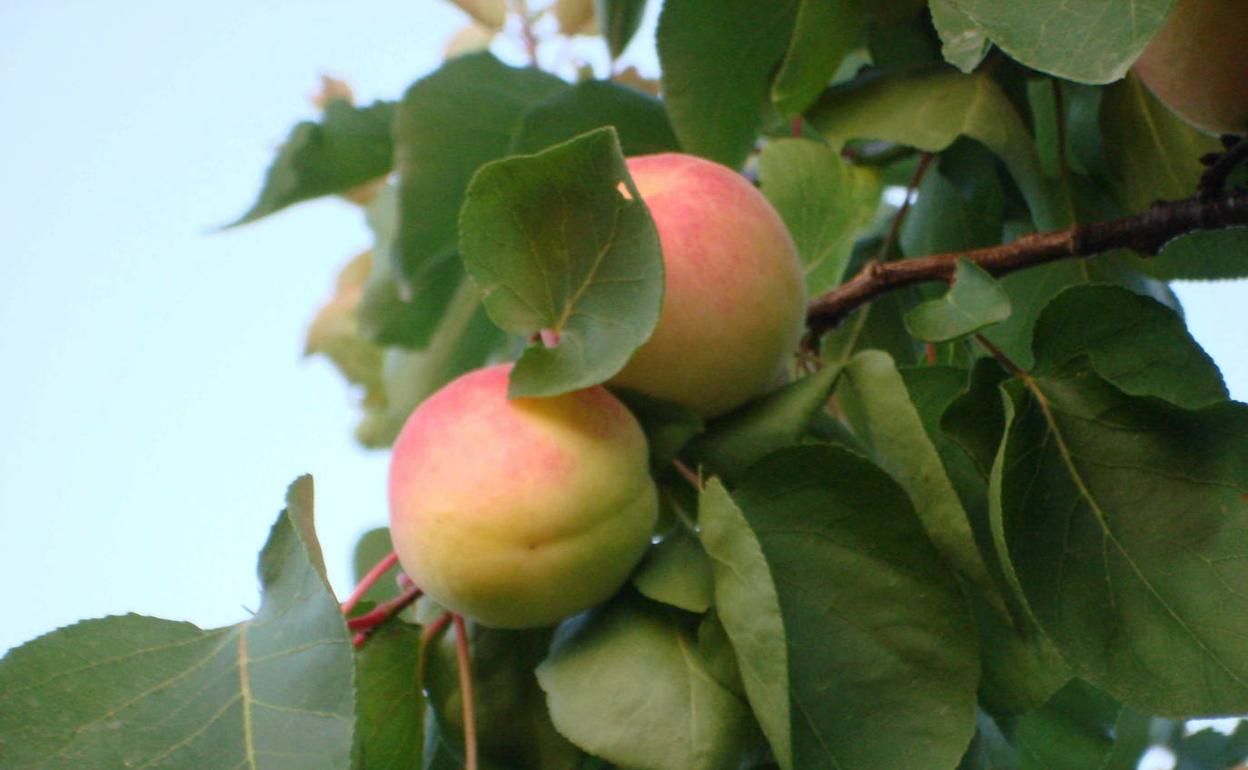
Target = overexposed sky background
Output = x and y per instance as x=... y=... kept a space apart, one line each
x=153 y=402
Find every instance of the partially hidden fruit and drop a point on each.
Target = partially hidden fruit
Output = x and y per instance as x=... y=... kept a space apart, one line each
x=734 y=294
x=518 y=513
x=1198 y=64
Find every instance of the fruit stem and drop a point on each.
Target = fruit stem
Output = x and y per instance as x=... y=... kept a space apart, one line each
x=381 y=613
x=465 y=689
x=688 y=474
x=368 y=581
x=426 y=637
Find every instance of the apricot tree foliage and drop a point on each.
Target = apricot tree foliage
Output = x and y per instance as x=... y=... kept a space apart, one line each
x=996 y=518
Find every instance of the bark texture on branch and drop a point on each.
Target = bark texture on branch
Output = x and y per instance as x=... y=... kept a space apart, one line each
x=1145 y=233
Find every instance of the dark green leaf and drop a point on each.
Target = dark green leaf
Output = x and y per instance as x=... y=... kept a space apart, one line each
x=391 y=317
x=1124 y=520
x=975 y=301
x=447 y=126
x=889 y=424
x=618 y=20
x=824 y=201
x=668 y=426
x=1202 y=255
x=1137 y=344
x=975 y=421
x=562 y=246
x=389 y=701
x=1072 y=732
x=1132 y=737
x=1022 y=668
x=348 y=147
x=928 y=111
x=638 y=118
x=718 y=57
x=1152 y=152
x=676 y=572
x=882 y=655
x=823 y=35
x=735 y=441
x=513 y=726
x=963 y=43
x=132 y=691
x=747 y=605
x=1094 y=41
x=627 y=684
x=960 y=203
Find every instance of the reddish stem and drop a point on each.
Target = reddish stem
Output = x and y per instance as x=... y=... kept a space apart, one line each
x=381 y=613
x=688 y=474
x=465 y=690
x=368 y=581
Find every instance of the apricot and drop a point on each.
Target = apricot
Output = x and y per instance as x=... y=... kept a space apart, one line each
x=518 y=513
x=734 y=300
x=1197 y=65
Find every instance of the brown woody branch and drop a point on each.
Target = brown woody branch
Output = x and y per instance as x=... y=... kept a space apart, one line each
x=1145 y=233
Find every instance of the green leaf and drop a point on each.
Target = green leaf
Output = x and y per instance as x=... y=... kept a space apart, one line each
x=974 y=421
x=639 y=119
x=373 y=546
x=882 y=656
x=448 y=125
x=963 y=43
x=668 y=427
x=627 y=684
x=348 y=147
x=892 y=428
x=513 y=726
x=824 y=201
x=1202 y=256
x=132 y=691
x=734 y=442
x=1137 y=344
x=748 y=608
x=1072 y=732
x=387 y=315
x=1131 y=739
x=1152 y=152
x=389 y=701
x=928 y=111
x=960 y=203
x=1094 y=41
x=465 y=339
x=823 y=35
x=619 y=20
x=1021 y=667
x=562 y=246
x=676 y=572
x=1124 y=521
x=975 y=301
x=1211 y=750
x=718 y=57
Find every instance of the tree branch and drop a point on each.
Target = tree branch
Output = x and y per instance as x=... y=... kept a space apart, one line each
x=1145 y=233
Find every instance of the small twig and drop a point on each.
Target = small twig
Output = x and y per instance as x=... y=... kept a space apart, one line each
x=465 y=693
x=368 y=581
x=1000 y=355
x=1145 y=233
x=527 y=35
x=894 y=229
x=1213 y=181
x=688 y=474
x=1063 y=164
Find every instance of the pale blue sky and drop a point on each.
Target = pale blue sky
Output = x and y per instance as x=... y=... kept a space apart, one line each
x=154 y=404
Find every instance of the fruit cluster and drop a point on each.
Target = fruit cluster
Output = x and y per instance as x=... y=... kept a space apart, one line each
x=520 y=512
